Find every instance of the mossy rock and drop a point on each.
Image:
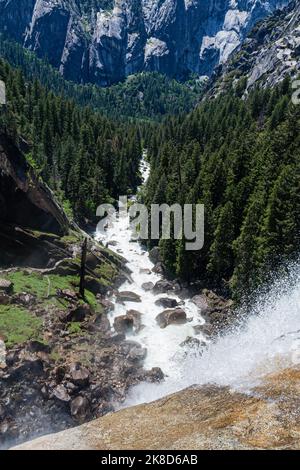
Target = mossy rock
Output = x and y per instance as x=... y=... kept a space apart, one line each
x=67 y=267
x=95 y=286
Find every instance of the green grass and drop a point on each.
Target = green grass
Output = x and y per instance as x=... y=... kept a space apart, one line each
x=74 y=328
x=45 y=287
x=106 y=273
x=17 y=325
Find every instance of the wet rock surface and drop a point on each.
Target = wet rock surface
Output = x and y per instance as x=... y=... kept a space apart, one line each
x=127 y=296
x=166 y=302
x=68 y=381
x=207 y=417
x=171 y=317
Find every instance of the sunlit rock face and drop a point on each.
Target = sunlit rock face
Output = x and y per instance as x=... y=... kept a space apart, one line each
x=175 y=37
x=206 y=417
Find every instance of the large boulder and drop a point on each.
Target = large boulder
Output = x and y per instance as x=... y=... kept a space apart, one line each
x=158 y=268
x=147 y=286
x=154 y=375
x=80 y=408
x=136 y=317
x=94 y=285
x=171 y=317
x=154 y=255
x=201 y=301
x=79 y=375
x=145 y=271
x=123 y=324
x=162 y=287
x=129 y=322
x=127 y=296
x=6 y=287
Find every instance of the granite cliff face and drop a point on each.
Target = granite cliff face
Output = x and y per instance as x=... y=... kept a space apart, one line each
x=267 y=56
x=175 y=37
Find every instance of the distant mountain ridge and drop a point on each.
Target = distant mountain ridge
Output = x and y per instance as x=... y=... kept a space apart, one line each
x=93 y=42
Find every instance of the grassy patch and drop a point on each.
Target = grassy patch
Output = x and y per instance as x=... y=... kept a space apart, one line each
x=106 y=273
x=74 y=328
x=72 y=237
x=46 y=286
x=17 y=325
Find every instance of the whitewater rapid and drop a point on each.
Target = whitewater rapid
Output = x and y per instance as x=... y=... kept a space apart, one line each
x=267 y=341
x=163 y=345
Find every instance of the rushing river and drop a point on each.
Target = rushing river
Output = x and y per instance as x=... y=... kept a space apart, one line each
x=270 y=338
x=163 y=345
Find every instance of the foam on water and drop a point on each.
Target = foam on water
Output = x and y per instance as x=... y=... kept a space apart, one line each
x=162 y=344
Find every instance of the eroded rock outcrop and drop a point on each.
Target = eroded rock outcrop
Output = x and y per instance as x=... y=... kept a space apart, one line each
x=269 y=54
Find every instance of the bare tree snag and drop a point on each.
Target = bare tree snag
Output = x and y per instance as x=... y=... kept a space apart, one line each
x=82 y=269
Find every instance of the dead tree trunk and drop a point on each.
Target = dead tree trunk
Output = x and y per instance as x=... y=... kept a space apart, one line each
x=82 y=269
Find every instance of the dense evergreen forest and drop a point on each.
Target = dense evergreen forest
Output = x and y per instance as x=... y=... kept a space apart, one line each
x=86 y=158
x=144 y=96
x=240 y=158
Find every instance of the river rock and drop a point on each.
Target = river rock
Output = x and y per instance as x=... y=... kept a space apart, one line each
x=79 y=375
x=154 y=255
x=102 y=322
x=80 y=408
x=166 y=302
x=162 y=287
x=6 y=286
x=61 y=394
x=171 y=317
x=136 y=317
x=127 y=296
x=107 y=305
x=123 y=324
x=147 y=286
x=158 y=268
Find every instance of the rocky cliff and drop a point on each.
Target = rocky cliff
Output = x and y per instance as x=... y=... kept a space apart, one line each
x=206 y=417
x=175 y=37
x=268 y=55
